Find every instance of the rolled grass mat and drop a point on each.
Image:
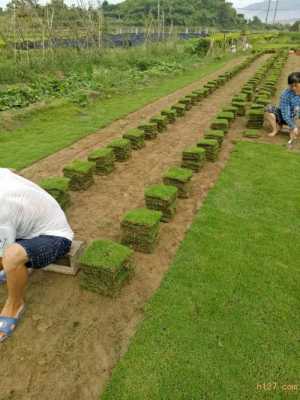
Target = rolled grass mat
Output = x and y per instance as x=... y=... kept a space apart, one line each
x=211 y=148
x=162 y=198
x=161 y=121
x=215 y=135
x=181 y=179
x=193 y=158
x=150 y=130
x=180 y=109
x=140 y=229
x=80 y=173
x=251 y=133
x=121 y=149
x=136 y=138
x=106 y=267
x=220 y=124
x=104 y=160
x=170 y=114
x=58 y=188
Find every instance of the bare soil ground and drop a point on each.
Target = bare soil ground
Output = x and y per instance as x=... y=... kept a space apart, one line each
x=70 y=340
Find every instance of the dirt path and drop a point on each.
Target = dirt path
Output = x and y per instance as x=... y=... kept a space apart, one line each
x=70 y=340
x=52 y=165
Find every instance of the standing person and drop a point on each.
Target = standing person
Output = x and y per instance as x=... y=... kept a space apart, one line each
x=288 y=111
x=34 y=233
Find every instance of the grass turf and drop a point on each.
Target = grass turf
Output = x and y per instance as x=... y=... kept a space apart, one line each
x=225 y=318
x=40 y=133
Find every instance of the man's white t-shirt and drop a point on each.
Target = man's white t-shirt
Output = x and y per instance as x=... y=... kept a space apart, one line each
x=27 y=211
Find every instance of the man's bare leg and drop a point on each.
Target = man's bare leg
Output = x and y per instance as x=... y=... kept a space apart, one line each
x=14 y=261
x=271 y=119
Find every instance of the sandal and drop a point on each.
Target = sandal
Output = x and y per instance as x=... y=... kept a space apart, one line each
x=8 y=324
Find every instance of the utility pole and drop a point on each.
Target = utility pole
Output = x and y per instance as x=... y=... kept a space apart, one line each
x=275 y=11
x=268 y=10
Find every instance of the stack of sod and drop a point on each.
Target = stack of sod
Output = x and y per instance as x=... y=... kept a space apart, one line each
x=255 y=119
x=58 y=187
x=226 y=115
x=136 y=138
x=248 y=92
x=80 y=174
x=150 y=130
x=211 y=148
x=186 y=102
x=180 y=109
x=170 y=114
x=193 y=158
x=220 y=124
x=162 y=198
x=180 y=178
x=231 y=109
x=215 y=135
x=121 y=149
x=104 y=160
x=106 y=267
x=251 y=134
x=203 y=92
x=199 y=94
x=264 y=101
x=193 y=97
x=241 y=106
x=161 y=122
x=140 y=229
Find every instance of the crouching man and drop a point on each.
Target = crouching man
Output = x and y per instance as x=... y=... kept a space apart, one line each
x=34 y=233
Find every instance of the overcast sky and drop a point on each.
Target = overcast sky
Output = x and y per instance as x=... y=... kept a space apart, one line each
x=237 y=3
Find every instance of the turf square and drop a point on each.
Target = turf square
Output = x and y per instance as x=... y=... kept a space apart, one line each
x=181 y=179
x=80 y=173
x=58 y=188
x=140 y=229
x=106 y=267
x=162 y=198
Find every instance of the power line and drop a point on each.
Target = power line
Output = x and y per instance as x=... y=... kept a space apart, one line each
x=268 y=11
x=275 y=11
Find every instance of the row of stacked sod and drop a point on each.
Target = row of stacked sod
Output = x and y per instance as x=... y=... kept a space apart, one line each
x=264 y=86
x=140 y=229
x=162 y=198
x=107 y=265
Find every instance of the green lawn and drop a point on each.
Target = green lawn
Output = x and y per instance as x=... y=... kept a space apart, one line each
x=226 y=317
x=44 y=132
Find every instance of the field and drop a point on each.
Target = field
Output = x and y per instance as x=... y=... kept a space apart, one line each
x=189 y=281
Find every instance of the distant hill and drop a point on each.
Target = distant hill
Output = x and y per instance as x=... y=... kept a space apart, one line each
x=202 y=13
x=288 y=10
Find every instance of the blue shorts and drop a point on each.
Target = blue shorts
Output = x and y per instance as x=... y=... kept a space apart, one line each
x=277 y=112
x=44 y=250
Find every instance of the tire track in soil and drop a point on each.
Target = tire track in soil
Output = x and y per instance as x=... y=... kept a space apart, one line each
x=70 y=340
x=52 y=165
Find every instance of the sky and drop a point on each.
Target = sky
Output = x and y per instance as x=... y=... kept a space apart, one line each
x=237 y=3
